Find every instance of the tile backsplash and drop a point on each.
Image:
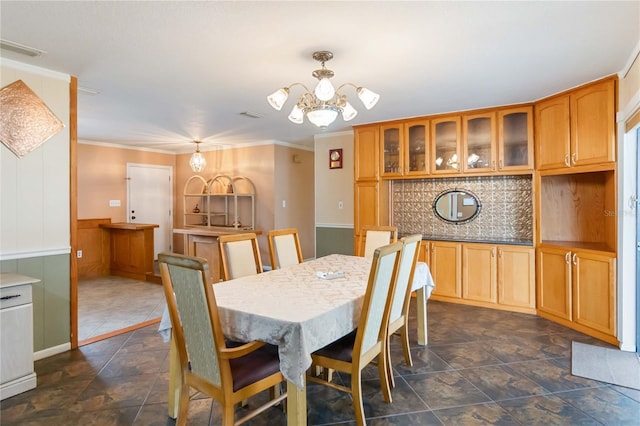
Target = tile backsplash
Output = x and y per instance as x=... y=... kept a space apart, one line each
x=506 y=212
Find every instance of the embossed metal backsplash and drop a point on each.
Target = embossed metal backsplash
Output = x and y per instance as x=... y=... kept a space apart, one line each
x=506 y=213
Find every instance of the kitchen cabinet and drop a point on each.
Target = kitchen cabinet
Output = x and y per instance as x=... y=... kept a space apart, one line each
x=405 y=149
x=479 y=272
x=515 y=139
x=445 y=145
x=131 y=249
x=499 y=276
x=480 y=145
x=577 y=288
x=445 y=266
x=366 y=151
x=577 y=128
x=17 y=374
x=371 y=195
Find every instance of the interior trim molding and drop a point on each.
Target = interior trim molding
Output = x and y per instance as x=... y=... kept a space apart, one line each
x=53 y=350
x=35 y=253
x=36 y=70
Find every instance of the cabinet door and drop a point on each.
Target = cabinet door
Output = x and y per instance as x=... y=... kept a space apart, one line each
x=594 y=302
x=366 y=205
x=416 y=147
x=479 y=135
x=515 y=139
x=592 y=124
x=445 y=268
x=554 y=278
x=552 y=133
x=392 y=138
x=424 y=253
x=479 y=279
x=445 y=145
x=366 y=156
x=17 y=342
x=516 y=276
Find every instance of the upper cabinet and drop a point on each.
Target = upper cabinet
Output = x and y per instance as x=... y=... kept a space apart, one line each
x=479 y=151
x=404 y=148
x=515 y=139
x=366 y=151
x=445 y=145
x=577 y=128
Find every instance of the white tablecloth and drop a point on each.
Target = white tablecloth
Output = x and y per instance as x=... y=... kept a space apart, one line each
x=295 y=309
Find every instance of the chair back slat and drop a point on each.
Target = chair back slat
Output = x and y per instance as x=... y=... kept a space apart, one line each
x=374 y=318
x=190 y=310
x=410 y=248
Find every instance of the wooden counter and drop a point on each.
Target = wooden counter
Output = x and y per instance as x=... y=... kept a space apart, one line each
x=131 y=249
x=203 y=242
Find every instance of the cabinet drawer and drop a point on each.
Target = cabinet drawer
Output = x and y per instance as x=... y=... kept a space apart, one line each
x=15 y=296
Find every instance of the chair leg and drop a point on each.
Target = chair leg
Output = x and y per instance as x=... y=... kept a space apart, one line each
x=228 y=414
x=404 y=336
x=356 y=394
x=183 y=406
x=389 y=369
x=384 y=376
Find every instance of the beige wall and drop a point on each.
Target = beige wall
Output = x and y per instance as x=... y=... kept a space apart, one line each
x=102 y=172
x=293 y=184
x=334 y=185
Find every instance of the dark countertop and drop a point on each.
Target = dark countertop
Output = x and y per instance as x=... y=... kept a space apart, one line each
x=508 y=241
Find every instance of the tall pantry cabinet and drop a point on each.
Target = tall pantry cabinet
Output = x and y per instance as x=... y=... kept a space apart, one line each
x=576 y=202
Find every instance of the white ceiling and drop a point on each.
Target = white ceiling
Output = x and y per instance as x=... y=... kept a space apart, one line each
x=172 y=72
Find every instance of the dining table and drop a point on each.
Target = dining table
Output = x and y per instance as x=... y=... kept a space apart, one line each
x=300 y=308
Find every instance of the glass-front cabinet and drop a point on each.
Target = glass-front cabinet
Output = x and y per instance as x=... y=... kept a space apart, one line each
x=392 y=137
x=417 y=147
x=445 y=142
x=515 y=139
x=479 y=143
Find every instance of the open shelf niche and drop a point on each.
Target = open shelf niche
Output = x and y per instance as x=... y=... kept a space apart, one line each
x=221 y=201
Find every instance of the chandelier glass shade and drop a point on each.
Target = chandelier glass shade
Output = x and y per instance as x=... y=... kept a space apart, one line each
x=322 y=105
x=197 y=162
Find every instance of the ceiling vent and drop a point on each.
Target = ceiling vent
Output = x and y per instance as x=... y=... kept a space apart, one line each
x=20 y=48
x=251 y=114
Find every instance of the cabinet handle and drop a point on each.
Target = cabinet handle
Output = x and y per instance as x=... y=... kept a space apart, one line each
x=493 y=252
x=573 y=158
x=500 y=253
x=13 y=296
x=493 y=164
x=501 y=165
x=567 y=257
x=566 y=160
x=573 y=259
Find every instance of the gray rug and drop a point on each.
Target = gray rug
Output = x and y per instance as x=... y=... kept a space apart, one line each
x=606 y=365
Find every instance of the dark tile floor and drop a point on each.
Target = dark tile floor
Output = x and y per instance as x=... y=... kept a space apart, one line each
x=481 y=367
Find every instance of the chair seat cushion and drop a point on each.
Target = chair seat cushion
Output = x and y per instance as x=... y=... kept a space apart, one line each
x=255 y=366
x=341 y=349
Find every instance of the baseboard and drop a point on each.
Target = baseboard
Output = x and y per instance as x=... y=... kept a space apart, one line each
x=54 y=350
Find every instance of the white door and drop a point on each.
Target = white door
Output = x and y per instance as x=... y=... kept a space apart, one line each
x=149 y=200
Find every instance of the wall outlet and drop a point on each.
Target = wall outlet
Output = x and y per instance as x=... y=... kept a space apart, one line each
x=284 y=203
x=79 y=254
x=114 y=203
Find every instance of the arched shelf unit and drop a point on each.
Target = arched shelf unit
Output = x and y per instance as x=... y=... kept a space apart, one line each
x=219 y=202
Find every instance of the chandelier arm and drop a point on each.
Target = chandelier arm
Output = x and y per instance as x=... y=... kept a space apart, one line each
x=347 y=84
x=298 y=84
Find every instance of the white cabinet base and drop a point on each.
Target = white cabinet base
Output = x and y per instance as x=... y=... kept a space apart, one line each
x=19 y=385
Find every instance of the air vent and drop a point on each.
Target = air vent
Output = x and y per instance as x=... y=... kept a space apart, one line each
x=252 y=114
x=20 y=48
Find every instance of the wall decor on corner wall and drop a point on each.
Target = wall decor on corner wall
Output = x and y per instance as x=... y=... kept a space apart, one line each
x=26 y=122
x=335 y=158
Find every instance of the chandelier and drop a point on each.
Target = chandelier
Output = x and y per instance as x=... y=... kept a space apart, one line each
x=322 y=105
x=197 y=161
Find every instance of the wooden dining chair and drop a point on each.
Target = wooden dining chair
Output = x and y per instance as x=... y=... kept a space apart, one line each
x=372 y=237
x=284 y=247
x=353 y=352
x=239 y=255
x=228 y=375
x=399 y=316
